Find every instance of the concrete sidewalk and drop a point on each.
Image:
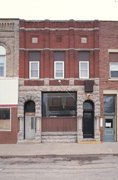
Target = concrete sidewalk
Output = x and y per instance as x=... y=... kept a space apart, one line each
x=15 y=150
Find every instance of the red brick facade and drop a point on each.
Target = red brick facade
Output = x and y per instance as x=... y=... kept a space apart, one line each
x=108 y=43
x=10 y=137
x=47 y=33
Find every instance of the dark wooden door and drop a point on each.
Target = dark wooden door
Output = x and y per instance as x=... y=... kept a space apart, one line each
x=88 y=125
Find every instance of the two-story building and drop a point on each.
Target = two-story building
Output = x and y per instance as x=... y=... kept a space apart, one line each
x=9 y=65
x=108 y=68
x=59 y=81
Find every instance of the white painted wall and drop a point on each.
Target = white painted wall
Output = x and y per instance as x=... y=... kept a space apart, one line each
x=9 y=91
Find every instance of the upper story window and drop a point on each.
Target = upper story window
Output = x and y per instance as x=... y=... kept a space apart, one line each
x=2 y=61
x=114 y=70
x=84 y=65
x=113 y=65
x=59 y=65
x=34 y=63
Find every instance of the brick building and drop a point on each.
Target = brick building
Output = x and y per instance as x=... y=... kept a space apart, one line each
x=108 y=43
x=9 y=60
x=59 y=81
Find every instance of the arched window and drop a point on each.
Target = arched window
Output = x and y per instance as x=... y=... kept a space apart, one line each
x=88 y=106
x=29 y=107
x=2 y=61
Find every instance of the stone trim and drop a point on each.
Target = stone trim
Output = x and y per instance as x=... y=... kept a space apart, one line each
x=51 y=49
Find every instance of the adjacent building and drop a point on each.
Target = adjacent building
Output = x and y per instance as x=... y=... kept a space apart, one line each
x=9 y=65
x=108 y=68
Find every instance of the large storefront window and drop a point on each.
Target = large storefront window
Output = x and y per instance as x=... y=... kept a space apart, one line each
x=4 y=119
x=56 y=104
x=109 y=104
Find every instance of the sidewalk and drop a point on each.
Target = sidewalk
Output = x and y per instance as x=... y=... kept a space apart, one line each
x=15 y=150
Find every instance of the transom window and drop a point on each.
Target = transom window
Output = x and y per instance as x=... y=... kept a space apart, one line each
x=2 y=61
x=84 y=69
x=114 y=70
x=59 y=69
x=56 y=104
x=109 y=104
x=4 y=119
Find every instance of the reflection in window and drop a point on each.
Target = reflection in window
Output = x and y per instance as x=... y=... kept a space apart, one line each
x=4 y=119
x=109 y=104
x=59 y=104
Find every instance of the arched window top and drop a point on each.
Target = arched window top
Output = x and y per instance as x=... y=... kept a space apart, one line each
x=88 y=105
x=29 y=107
x=2 y=50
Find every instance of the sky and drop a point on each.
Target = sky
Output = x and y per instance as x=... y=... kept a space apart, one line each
x=60 y=9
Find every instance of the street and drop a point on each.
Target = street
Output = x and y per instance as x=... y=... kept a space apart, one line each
x=83 y=167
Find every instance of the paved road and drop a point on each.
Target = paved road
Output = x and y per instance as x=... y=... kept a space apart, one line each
x=92 y=167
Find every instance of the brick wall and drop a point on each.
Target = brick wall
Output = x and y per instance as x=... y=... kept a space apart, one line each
x=108 y=40
x=70 y=33
x=10 y=137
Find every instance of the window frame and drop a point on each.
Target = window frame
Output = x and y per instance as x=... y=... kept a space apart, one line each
x=9 y=119
x=112 y=70
x=80 y=74
x=47 y=113
x=30 y=63
x=4 y=55
x=55 y=70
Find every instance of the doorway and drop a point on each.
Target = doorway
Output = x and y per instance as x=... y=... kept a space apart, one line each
x=29 y=122
x=88 y=119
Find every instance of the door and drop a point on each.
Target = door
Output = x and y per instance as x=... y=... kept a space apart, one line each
x=109 y=129
x=88 y=125
x=29 y=127
x=88 y=119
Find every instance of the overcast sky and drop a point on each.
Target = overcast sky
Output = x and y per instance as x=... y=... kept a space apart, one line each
x=59 y=9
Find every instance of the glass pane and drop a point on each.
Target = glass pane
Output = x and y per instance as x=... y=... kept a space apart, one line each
x=34 y=73
x=2 y=50
x=34 y=66
x=59 y=66
x=114 y=74
x=1 y=71
x=59 y=104
x=109 y=104
x=114 y=66
x=84 y=74
x=5 y=124
x=88 y=106
x=4 y=113
x=84 y=66
x=30 y=106
x=2 y=59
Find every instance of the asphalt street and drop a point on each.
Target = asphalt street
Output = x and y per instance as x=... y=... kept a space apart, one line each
x=62 y=167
